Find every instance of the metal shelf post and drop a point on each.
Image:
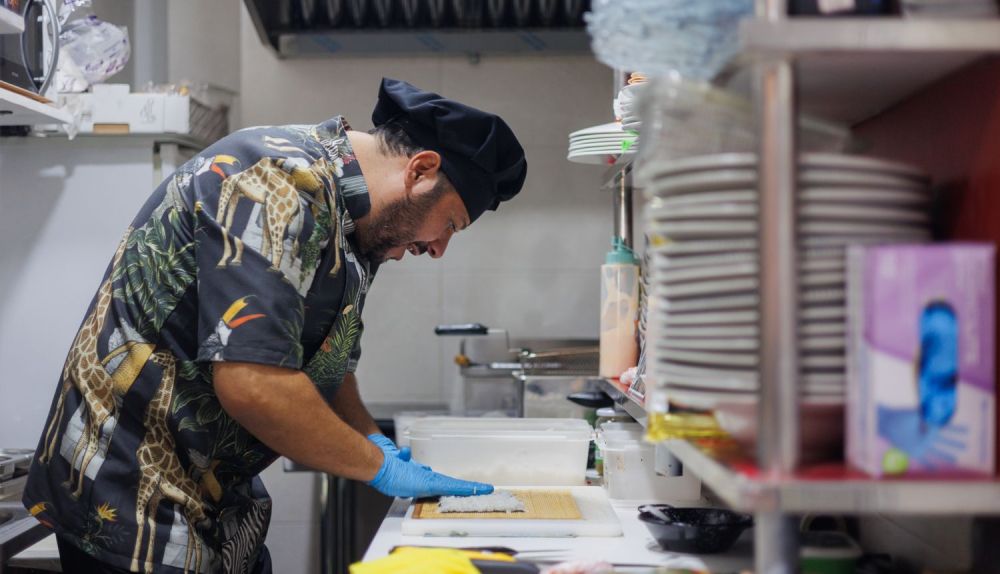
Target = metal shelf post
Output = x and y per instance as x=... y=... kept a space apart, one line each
x=776 y=542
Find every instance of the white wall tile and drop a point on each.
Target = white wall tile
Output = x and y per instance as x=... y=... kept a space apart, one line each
x=295 y=495
x=399 y=361
x=533 y=303
x=294 y=548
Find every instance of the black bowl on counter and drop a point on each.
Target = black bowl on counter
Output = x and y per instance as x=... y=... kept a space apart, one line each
x=694 y=530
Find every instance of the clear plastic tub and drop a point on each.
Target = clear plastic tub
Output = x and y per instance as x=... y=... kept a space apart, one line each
x=629 y=473
x=505 y=452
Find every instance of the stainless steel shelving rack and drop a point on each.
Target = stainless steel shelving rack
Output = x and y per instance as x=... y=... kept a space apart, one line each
x=846 y=69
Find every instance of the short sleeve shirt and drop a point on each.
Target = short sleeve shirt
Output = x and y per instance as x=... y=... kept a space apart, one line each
x=246 y=254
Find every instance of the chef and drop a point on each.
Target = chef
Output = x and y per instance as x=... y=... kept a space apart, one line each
x=226 y=331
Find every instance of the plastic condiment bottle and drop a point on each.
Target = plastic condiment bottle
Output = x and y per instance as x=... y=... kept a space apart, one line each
x=619 y=310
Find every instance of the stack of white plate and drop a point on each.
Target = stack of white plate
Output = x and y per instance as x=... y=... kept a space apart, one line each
x=701 y=217
x=600 y=144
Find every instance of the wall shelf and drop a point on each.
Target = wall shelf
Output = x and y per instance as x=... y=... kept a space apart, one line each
x=10 y=22
x=834 y=488
x=852 y=69
x=18 y=110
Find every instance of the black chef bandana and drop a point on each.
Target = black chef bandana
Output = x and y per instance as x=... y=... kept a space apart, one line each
x=479 y=152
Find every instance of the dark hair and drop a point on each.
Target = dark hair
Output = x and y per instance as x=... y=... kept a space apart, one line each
x=392 y=140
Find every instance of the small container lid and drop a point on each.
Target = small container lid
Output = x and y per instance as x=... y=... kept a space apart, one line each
x=480 y=428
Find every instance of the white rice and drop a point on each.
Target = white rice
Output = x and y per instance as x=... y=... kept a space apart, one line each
x=499 y=501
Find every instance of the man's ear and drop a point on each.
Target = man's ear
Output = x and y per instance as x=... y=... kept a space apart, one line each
x=423 y=165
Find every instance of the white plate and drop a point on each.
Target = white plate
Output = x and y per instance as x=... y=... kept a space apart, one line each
x=848 y=231
x=709 y=304
x=880 y=196
x=915 y=197
x=704 y=211
x=708 y=400
x=809 y=160
x=823 y=362
x=664 y=274
x=731 y=359
x=706 y=288
x=665 y=367
x=663 y=261
x=822 y=264
x=741 y=179
x=704 y=229
x=823 y=313
x=823 y=279
x=713 y=332
x=827 y=211
x=824 y=241
x=664 y=246
x=608 y=128
x=738 y=344
x=822 y=296
x=831 y=329
x=727 y=318
x=833 y=177
x=720 y=384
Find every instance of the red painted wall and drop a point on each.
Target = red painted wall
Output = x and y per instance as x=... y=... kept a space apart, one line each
x=952 y=129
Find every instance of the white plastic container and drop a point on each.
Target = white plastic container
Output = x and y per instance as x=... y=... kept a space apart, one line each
x=629 y=473
x=505 y=452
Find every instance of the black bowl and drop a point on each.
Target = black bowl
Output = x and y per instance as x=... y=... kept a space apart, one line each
x=694 y=530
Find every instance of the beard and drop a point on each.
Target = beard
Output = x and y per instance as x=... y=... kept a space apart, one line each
x=396 y=225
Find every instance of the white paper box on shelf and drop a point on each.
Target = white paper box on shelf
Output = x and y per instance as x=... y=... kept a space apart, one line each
x=113 y=104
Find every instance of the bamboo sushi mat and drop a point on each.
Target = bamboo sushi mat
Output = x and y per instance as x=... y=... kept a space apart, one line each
x=538 y=505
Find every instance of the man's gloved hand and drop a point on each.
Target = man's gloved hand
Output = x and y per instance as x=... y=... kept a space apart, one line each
x=407 y=479
x=389 y=448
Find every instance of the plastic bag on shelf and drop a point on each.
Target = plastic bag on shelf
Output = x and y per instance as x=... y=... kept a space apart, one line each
x=91 y=51
x=67 y=7
x=683 y=118
x=693 y=39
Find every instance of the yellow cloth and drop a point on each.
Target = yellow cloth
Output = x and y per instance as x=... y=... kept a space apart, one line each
x=420 y=561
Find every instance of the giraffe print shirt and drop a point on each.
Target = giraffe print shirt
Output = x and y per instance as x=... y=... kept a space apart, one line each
x=244 y=254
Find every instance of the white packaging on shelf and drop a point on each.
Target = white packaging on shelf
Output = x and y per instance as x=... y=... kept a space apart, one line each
x=630 y=473
x=504 y=451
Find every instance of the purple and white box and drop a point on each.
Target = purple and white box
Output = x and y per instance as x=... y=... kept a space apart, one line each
x=921 y=390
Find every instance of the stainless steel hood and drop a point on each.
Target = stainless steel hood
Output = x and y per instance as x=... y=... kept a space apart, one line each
x=324 y=28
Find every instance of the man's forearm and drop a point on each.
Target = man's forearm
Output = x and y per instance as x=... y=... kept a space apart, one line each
x=283 y=409
x=347 y=403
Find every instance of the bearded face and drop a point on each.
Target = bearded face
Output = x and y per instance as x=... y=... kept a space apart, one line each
x=396 y=226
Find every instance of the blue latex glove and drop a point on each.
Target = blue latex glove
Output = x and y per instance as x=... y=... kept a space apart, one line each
x=407 y=479
x=925 y=445
x=389 y=448
x=938 y=364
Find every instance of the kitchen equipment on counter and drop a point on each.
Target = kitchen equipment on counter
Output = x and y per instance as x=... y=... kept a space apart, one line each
x=504 y=451
x=521 y=377
x=308 y=12
x=547 y=11
x=694 y=530
x=6 y=467
x=597 y=518
x=21 y=457
x=28 y=60
x=573 y=11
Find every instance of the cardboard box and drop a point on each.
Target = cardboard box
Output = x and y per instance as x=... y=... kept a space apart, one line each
x=921 y=382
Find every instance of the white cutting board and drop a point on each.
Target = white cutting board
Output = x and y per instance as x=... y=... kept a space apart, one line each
x=598 y=519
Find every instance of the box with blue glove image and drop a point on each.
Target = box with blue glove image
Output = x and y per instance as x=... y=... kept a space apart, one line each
x=921 y=392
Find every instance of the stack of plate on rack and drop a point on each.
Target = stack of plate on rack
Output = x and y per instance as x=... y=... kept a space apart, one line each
x=600 y=144
x=702 y=324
